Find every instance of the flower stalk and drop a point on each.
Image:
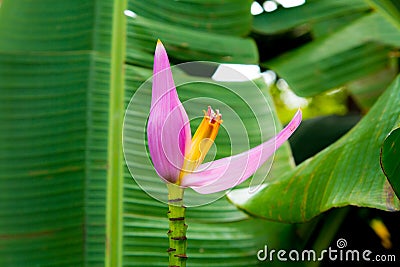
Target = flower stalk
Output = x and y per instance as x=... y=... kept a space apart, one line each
x=178 y=158
x=177 y=227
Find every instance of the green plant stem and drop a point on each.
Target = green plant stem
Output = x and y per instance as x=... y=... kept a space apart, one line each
x=115 y=170
x=177 y=227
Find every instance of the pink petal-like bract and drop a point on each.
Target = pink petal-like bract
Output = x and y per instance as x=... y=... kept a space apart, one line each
x=228 y=172
x=168 y=129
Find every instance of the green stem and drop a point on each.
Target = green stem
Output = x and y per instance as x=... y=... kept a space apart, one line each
x=115 y=170
x=177 y=227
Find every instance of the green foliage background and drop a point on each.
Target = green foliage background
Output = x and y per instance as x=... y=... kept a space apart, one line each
x=68 y=70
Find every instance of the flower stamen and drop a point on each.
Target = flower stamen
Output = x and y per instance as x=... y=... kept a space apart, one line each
x=201 y=141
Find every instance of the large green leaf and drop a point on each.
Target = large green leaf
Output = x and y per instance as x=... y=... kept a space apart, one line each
x=216 y=17
x=390 y=155
x=309 y=133
x=355 y=51
x=338 y=176
x=53 y=69
x=188 y=45
x=40 y=178
x=389 y=8
x=312 y=11
x=331 y=25
x=25 y=29
x=366 y=90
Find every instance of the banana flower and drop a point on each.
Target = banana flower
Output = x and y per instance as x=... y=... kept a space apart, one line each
x=177 y=157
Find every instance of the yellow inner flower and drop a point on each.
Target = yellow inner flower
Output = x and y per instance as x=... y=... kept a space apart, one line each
x=201 y=141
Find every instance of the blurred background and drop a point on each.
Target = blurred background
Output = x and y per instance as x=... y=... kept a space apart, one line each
x=69 y=68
